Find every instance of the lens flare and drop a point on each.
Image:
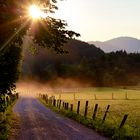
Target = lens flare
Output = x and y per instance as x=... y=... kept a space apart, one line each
x=35 y=12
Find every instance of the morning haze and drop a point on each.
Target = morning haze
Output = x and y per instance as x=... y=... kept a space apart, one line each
x=75 y=82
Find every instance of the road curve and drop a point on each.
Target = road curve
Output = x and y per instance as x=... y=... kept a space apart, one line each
x=40 y=123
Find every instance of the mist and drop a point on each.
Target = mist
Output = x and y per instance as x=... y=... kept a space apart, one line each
x=84 y=66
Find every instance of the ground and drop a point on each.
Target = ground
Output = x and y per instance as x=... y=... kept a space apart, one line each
x=39 y=123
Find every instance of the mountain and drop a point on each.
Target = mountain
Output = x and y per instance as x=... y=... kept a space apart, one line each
x=128 y=44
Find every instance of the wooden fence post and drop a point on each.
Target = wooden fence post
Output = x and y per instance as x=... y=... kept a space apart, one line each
x=71 y=107
x=106 y=113
x=78 y=107
x=54 y=102
x=86 y=109
x=17 y=95
x=95 y=111
x=63 y=105
x=112 y=96
x=123 y=121
x=46 y=98
x=67 y=106
x=59 y=104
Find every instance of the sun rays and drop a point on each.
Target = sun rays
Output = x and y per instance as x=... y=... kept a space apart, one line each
x=35 y=12
x=31 y=14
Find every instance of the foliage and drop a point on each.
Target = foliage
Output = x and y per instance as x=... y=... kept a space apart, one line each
x=6 y=119
x=14 y=24
x=88 y=64
x=9 y=68
x=47 y=65
x=53 y=35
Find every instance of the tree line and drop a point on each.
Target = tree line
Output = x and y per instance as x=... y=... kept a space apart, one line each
x=108 y=69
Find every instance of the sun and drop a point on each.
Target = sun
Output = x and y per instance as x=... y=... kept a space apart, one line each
x=35 y=12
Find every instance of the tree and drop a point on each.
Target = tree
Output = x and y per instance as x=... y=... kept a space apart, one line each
x=47 y=31
x=15 y=22
x=9 y=72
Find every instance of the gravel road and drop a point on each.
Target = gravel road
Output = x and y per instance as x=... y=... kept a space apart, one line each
x=40 y=123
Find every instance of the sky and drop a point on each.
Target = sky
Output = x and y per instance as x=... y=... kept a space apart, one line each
x=101 y=20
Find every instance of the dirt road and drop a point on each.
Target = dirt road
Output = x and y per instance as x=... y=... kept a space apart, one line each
x=40 y=123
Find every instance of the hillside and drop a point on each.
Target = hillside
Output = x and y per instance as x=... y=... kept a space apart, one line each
x=128 y=44
x=84 y=63
x=44 y=58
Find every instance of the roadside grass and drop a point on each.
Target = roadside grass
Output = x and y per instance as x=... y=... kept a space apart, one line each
x=119 y=106
x=117 y=110
x=6 y=121
x=106 y=128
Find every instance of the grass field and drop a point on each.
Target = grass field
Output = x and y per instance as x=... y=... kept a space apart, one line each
x=121 y=101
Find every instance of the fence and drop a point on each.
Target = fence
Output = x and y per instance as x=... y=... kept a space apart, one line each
x=6 y=100
x=93 y=94
x=114 y=117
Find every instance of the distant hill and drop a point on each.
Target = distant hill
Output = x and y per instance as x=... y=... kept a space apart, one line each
x=128 y=44
x=85 y=64
x=77 y=49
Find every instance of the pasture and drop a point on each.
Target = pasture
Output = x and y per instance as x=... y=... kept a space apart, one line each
x=122 y=102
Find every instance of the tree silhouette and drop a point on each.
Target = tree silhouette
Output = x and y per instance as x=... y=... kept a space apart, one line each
x=15 y=22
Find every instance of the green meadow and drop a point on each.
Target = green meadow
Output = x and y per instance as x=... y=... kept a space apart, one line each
x=122 y=102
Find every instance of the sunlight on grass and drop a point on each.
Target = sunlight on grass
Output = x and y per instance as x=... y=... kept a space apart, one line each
x=121 y=101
